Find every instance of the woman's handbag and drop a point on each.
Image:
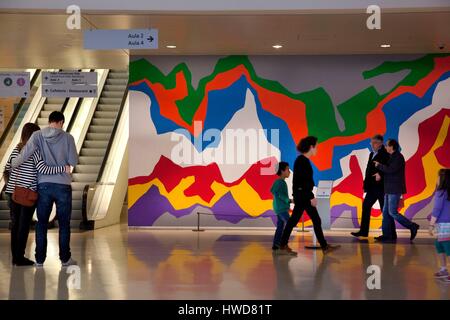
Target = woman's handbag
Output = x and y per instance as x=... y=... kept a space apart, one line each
x=24 y=196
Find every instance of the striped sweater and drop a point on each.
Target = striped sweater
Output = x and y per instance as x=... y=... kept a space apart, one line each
x=26 y=174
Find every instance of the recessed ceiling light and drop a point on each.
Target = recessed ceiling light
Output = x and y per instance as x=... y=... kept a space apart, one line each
x=277 y=46
x=385 y=45
x=171 y=47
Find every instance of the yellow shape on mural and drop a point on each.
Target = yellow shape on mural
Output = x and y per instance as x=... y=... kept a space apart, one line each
x=245 y=196
x=248 y=199
x=338 y=198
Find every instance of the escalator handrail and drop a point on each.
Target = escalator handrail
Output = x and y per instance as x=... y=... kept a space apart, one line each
x=75 y=112
x=84 y=206
x=64 y=105
x=18 y=109
x=111 y=139
x=74 y=115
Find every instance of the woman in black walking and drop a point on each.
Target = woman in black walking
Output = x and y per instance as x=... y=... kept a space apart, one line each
x=304 y=199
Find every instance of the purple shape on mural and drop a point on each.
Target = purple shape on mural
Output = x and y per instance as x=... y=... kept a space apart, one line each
x=153 y=205
x=338 y=210
x=150 y=207
x=412 y=210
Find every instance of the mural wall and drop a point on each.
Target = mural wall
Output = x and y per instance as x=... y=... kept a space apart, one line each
x=205 y=132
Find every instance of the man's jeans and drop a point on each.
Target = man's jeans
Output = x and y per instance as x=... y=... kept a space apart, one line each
x=282 y=219
x=61 y=195
x=390 y=215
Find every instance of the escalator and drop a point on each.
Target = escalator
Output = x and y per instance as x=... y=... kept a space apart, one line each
x=95 y=141
x=95 y=145
x=50 y=105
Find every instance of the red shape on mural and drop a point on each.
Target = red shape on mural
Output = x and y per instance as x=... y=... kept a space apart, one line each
x=353 y=183
x=171 y=174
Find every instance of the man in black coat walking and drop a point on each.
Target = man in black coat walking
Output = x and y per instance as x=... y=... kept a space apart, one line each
x=373 y=184
x=394 y=188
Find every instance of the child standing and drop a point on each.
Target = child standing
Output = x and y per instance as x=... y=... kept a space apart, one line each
x=281 y=202
x=440 y=222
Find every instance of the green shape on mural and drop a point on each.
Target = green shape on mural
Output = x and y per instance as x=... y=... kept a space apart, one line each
x=320 y=112
x=354 y=111
x=319 y=106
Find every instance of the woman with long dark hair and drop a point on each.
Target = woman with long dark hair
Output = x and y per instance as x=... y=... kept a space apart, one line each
x=24 y=176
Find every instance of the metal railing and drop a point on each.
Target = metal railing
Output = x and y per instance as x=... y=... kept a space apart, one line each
x=113 y=132
x=199 y=229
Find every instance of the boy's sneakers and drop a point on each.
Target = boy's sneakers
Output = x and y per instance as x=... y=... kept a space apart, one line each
x=69 y=262
x=441 y=274
x=38 y=265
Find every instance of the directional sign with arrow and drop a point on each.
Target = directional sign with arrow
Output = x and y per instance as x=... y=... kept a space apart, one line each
x=121 y=39
x=64 y=91
x=14 y=84
x=69 y=77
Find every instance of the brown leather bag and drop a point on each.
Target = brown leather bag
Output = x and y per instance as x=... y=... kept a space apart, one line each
x=24 y=196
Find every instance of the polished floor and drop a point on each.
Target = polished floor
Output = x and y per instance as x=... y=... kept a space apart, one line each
x=122 y=263
x=102 y=258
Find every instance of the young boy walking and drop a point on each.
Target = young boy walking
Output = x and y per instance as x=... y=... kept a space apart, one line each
x=281 y=202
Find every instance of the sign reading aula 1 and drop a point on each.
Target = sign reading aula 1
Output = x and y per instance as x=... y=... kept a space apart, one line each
x=121 y=39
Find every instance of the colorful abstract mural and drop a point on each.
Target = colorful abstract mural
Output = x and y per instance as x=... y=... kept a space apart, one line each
x=173 y=102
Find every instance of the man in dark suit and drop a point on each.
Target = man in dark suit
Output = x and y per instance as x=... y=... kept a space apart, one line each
x=373 y=184
x=394 y=188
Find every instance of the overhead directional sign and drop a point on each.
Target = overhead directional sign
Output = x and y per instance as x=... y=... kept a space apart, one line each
x=68 y=77
x=121 y=39
x=66 y=91
x=14 y=84
x=66 y=84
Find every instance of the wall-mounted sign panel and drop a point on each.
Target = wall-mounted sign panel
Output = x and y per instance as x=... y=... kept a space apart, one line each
x=324 y=189
x=121 y=39
x=14 y=84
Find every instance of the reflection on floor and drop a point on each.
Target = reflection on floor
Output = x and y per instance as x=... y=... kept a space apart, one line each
x=240 y=265
x=101 y=256
x=117 y=263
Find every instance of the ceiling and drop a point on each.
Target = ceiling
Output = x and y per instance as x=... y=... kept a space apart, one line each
x=41 y=40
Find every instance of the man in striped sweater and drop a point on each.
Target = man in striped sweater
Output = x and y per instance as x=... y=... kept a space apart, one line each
x=57 y=148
